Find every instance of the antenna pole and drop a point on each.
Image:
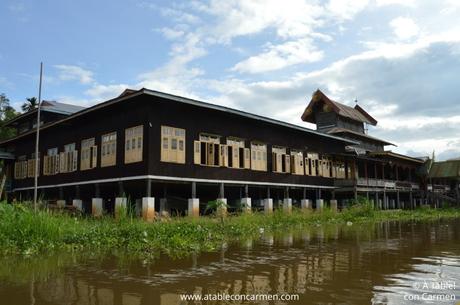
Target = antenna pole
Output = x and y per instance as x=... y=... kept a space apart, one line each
x=37 y=138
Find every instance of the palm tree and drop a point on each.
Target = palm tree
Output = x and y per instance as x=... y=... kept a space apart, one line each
x=30 y=105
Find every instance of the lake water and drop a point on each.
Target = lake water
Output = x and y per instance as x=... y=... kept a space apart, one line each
x=385 y=263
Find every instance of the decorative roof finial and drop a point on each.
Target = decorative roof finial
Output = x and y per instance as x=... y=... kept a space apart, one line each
x=356 y=101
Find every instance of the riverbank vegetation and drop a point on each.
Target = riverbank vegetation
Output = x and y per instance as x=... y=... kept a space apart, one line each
x=24 y=231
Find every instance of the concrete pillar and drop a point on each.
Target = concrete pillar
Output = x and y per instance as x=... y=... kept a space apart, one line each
x=194 y=207
x=319 y=204
x=121 y=206
x=334 y=205
x=287 y=205
x=60 y=204
x=392 y=203
x=372 y=202
x=268 y=205
x=163 y=206
x=305 y=204
x=398 y=201
x=222 y=210
x=148 y=208
x=246 y=204
x=380 y=204
x=77 y=204
x=96 y=207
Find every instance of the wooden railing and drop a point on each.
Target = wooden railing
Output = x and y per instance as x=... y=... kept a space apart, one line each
x=389 y=184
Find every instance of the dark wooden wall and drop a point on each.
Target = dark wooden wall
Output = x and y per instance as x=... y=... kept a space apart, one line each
x=198 y=119
x=153 y=112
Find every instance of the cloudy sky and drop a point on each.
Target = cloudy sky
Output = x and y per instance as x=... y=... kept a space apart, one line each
x=399 y=58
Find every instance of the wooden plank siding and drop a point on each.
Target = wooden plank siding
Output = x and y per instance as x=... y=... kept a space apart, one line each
x=153 y=112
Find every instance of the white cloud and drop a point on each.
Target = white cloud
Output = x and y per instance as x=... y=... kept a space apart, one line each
x=346 y=9
x=411 y=106
x=404 y=28
x=102 y=92
x=170 y=33
x=70 y=72
x=410 y=3
x=276 y=57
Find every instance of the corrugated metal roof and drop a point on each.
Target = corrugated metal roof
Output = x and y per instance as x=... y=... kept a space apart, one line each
x=350 y=112
x=357 y=113
x=389 y=153
x=63 y=108
x=336 y=130
x=49 y=106
x=187 y=101
x=445 y=169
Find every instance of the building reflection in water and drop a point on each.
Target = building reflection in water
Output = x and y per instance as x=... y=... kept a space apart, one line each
x=322 y=265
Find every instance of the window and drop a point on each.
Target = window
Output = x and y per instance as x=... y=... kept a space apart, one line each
x=311 y=164
x=281 y=162
x=297 y=162
x=88 y=154
x=20 y=168
x=68 y=159
x=51 y=161
x=172 y=144
x=24 y=127
x=204 y=137
x=31 y=166
x=134 y=138
x=259 y=156
x=34 y=124
x=325 y=169
x=108 y=149
x=69 y=147
x=235 y=152
x=339 y=170
x=52 y=151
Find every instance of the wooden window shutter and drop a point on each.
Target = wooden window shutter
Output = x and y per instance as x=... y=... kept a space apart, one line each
x=274 y=162
x=197 y=152
x=45 y=165
x=62 y=163
x=288 y=163
x=93 y=159
x=181 y=151
x=223 y=155
x=74 y=160
x=29 y=169
x=247 y=158
x=235 y=156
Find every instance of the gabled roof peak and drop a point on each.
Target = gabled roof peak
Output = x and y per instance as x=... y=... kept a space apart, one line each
x=356 y=113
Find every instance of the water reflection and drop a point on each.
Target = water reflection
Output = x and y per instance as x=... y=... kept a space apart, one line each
x=378 y=264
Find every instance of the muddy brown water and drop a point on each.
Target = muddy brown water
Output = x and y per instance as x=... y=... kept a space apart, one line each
x=385 y=263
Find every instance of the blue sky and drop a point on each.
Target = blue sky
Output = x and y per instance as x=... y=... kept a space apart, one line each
x=400 y=59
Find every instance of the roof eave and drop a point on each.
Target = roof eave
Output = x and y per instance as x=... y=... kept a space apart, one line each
x=188 y=101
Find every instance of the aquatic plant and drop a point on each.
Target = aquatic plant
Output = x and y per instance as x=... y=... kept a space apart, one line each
x=26 y=232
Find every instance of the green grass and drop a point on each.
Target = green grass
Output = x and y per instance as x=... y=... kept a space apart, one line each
x=23 y=231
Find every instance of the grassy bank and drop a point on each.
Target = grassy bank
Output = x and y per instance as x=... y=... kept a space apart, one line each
x=23 y=231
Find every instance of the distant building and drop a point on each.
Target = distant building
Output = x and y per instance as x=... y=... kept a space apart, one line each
x=444 y=178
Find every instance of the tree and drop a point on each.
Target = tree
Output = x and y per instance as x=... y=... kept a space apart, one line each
x=6 y=113
x=30 y=105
